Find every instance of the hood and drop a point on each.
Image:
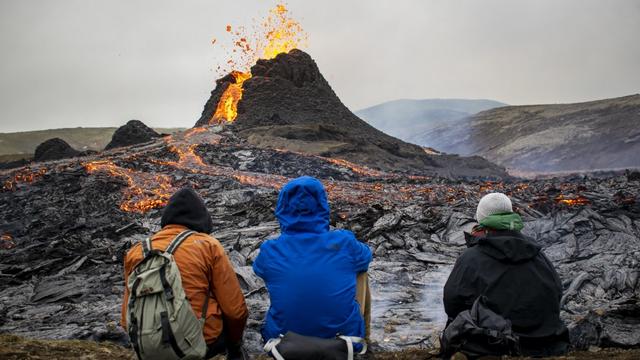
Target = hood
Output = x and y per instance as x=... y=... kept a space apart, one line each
x=508 y=246
x=303 y=207
x=503 y=221
x=187 y=208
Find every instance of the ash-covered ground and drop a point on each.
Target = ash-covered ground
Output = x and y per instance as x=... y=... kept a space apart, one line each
x=67 y=224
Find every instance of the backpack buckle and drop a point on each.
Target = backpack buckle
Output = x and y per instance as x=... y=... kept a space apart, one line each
x=168 y=293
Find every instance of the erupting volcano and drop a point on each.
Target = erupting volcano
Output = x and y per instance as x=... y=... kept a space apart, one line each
x=284 y=102
x=277 y=34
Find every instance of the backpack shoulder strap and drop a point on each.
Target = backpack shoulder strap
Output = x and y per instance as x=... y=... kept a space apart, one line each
x=146 y=247
x=350 y=340
x=175 y=243
x=271 y=347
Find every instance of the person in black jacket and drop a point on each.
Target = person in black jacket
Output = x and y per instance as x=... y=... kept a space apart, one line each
x=515 y=277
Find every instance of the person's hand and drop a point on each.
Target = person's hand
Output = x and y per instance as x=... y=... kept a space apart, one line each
x=236 y=352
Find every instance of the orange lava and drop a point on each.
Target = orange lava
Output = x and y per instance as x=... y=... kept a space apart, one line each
x=261 y=180
x=24 y=176
x=145 y=191
x=187 y=156
x=572 y=201
x=6 y=241
x=491 y=186
x=278 y=33
x=281 y=34
x=358 y=169
x=227 y=109
x=186 y=150
x=194 y=131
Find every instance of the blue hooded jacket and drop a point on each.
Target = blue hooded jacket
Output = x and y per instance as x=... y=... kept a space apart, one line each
x=310 y=272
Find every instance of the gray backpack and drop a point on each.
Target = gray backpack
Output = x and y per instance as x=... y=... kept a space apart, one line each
x=160 y=320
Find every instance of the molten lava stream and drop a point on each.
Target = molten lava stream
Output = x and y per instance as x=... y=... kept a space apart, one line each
x=145 y=191
x=227 y=109
x=358 y=169
x=186 y=156
x=572 y=201
x=23 y=176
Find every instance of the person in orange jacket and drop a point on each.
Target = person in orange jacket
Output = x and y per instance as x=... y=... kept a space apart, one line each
x=203 y=266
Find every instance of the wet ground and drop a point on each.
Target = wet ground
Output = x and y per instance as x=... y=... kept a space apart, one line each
x=408 y=309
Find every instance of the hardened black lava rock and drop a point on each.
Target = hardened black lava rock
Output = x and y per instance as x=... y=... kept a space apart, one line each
x=54 y=149
x=13 y=164
x=64 y=235
x=134 y=132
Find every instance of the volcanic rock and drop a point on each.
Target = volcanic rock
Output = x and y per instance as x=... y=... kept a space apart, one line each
x=66 y=231
x=13 y=164
x=288 y=104
x=54 y=149
x=633 y=175
x=134 y=132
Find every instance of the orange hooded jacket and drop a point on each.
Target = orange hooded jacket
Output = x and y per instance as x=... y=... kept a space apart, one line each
x=203 y=264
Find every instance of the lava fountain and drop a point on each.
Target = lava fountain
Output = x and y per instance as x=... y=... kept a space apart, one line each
x=278 y=33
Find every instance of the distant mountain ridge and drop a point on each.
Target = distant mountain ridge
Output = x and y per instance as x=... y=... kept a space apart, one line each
x=406 y=117
x=594 y=135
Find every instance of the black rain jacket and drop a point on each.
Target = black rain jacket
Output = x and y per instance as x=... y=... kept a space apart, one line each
x=520 y=284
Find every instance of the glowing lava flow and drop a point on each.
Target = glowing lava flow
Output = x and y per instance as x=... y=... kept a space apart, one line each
x=187 y=156
x=144 y=192
x=192 y=162
x=358 y=169
x=185 y=147
x=25 y=175
x=278 y=34
x=6 y=241
x=572 y=201
x=227 y=109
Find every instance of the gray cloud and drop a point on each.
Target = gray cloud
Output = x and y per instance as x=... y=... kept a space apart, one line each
x=99 y=63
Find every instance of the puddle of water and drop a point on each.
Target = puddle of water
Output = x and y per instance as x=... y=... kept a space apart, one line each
x=407 y=307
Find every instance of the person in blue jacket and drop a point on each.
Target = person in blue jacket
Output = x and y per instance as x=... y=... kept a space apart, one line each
x=310 y=271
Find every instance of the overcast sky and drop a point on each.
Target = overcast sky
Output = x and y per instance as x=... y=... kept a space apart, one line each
x=68 y=63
